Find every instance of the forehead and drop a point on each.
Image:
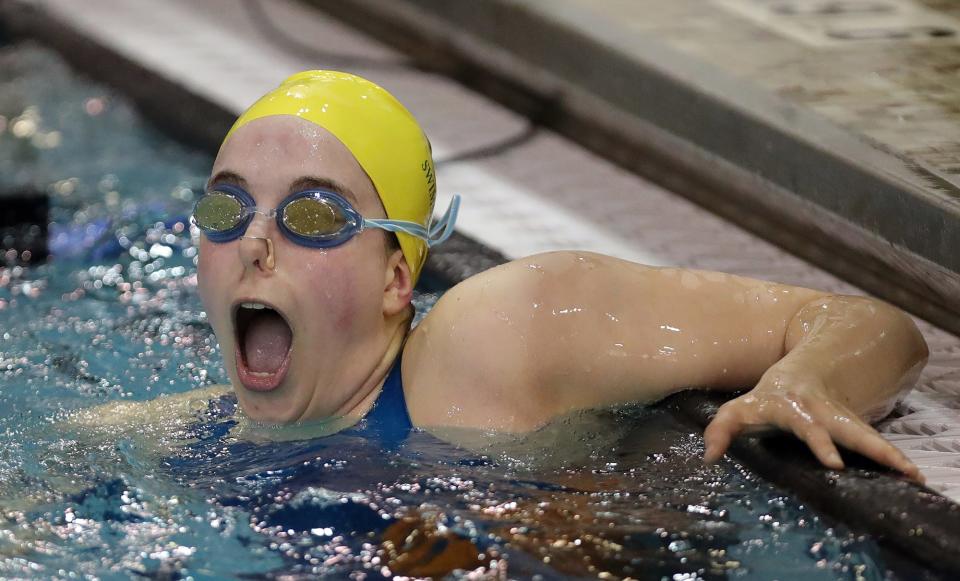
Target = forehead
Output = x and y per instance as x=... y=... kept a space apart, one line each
x=272 y=154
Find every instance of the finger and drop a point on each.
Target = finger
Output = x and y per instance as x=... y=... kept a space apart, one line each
x=800 y=419
x=820 y=442
x=726 y=425
x=863 y=439
x=879 y=450
x=853 y=433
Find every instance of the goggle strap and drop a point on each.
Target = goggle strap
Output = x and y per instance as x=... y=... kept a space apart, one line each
x=444 y=226
x=401 y=226
x=438 y=232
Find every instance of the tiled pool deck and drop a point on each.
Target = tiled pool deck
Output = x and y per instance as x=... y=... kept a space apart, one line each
x=886 y=70
x=530 y=198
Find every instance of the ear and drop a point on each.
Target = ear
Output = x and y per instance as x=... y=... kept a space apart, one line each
x=398 y=285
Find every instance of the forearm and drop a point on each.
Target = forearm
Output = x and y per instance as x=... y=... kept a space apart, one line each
x=846 y=358
x=866 y=352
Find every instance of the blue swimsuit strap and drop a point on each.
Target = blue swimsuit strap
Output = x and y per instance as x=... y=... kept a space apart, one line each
x=389 y=419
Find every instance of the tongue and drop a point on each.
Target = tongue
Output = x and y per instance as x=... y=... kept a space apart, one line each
x=266 y=342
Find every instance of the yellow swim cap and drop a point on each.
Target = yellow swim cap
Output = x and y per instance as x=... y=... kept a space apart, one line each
x=380 y=133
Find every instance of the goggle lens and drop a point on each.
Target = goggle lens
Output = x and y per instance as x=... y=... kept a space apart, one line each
x=313 y=217
x=218 y=212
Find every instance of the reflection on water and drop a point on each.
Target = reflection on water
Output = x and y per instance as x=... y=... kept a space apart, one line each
x=185 y=487
x=620 y=492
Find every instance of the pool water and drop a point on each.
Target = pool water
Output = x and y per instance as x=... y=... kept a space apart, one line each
x=192 y=490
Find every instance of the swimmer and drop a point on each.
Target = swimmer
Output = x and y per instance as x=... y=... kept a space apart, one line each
x=316 y=223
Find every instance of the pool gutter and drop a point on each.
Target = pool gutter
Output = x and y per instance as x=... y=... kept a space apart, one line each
x=904 y=517
x=907 y=519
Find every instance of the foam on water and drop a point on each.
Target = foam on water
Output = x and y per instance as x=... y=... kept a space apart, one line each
x=183 y=486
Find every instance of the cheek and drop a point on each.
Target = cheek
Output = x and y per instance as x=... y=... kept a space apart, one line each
x=347 y=313
x=346 y=288
x=332 y=286
x=211 y=274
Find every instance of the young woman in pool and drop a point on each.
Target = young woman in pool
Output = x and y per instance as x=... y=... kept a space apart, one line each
x=308 y=291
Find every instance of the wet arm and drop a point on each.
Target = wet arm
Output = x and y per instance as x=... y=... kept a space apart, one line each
x=598 y=331
x=551 y=334
x=866 y=351
x=170 y=411
x=847 y=360
x=554 y=333
x=818 y=364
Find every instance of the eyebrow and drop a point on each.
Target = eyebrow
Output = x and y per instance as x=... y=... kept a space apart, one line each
x=227 y=177
x=298 y=185
x=314 y=182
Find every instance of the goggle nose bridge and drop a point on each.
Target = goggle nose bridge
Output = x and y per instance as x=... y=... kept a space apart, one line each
x=268 y=213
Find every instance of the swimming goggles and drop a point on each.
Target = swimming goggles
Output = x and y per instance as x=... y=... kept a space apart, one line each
x=316 y=218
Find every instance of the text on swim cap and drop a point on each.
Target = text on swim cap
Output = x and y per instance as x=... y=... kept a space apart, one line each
x=427 y=168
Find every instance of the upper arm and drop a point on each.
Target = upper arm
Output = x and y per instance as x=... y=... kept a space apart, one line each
x=167 y=410
x=555 y=332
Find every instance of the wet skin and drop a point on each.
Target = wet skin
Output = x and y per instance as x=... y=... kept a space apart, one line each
x=538 y=338
x=578 y=330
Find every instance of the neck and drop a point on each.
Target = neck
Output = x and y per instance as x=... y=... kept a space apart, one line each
x=366 y=394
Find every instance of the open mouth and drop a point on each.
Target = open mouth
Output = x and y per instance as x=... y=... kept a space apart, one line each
x=263 y=341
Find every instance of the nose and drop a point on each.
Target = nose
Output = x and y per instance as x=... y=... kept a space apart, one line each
x=256 y=247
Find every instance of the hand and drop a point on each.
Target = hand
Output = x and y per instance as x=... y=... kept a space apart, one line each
x=804 y=406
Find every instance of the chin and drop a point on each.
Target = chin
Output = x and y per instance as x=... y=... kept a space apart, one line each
x=268 y=410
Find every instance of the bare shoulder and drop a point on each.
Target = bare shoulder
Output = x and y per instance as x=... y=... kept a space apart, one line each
x=472 y=362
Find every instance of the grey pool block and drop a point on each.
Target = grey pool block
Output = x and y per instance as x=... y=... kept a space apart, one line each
x=885 y=222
